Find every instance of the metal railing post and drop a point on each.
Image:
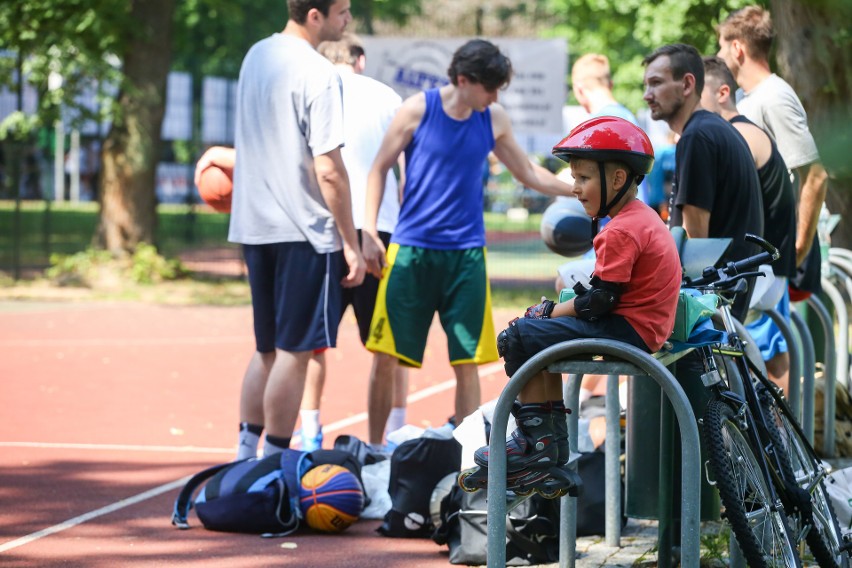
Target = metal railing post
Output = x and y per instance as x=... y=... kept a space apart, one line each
x=828 y=374
x=643 y=364
x=806 y=416
x=612 y=515
x=794 y=387
x=568 y=505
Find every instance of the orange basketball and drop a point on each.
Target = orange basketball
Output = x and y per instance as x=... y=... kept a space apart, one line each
x=215 y=187
x=331 y=498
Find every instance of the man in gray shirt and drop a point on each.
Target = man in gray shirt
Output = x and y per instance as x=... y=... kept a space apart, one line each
x=291 y=211
x=745 y=40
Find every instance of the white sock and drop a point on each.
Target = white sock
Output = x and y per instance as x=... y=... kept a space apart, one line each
x=270 y=449
x=310 y=423
x=248 y=442
x=585 y=394
x=396 y=419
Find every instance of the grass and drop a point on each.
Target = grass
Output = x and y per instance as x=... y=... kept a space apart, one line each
x=520 y=265
x=196 y=290
x=42 y=228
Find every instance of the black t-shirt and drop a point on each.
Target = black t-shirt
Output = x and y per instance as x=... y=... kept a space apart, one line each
x=779 y=208
x=714 y=171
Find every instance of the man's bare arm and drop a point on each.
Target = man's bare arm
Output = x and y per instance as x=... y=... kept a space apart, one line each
x=334 y=186
x=508 y=151
x=696 y=221
x=397 y=137
x=814 y=186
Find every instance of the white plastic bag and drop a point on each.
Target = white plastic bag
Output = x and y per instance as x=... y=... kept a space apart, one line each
x=839 y=486
x=376 y=478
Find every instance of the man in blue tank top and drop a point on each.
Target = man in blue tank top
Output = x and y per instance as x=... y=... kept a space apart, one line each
x=436 y=257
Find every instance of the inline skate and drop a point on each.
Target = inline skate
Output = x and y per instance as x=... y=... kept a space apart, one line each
x=537 y=455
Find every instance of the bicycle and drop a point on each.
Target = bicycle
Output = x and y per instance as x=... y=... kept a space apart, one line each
x=769 y=479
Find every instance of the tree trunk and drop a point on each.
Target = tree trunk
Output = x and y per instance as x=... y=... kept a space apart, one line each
x=815 y=56
x=132 y=147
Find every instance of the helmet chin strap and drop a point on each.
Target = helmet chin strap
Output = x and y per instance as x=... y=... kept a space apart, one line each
x=604 y=211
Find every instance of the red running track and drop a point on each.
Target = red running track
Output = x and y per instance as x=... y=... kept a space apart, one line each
x=107 y=407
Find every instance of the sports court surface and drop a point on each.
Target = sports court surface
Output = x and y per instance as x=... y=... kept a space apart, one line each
x=109 y=407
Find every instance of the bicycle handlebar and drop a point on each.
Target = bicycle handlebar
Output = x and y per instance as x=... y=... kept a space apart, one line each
x=733 y=271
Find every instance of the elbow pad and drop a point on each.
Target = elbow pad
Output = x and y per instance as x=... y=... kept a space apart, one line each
x=598 y=300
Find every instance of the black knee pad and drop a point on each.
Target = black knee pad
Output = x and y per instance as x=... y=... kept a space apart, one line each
x=510 y=348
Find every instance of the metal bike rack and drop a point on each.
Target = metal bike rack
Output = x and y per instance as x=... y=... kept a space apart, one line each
x=574 y=358
x=830 y=364
x=841 y=252
x=794 y=387
x=841 y=342
x=842 y=266
x=805 y=414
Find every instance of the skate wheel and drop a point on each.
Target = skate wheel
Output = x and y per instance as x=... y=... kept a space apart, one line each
x=551 y=494
x=463 y=479
x=523 y=492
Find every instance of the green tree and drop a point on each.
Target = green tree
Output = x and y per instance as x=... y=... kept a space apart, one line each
x=814 y=54
x=132 y=147
x=131 y=45
x=628 y=30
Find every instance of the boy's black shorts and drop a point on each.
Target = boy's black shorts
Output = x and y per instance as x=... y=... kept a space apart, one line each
x=536 y=335
x=363 y=297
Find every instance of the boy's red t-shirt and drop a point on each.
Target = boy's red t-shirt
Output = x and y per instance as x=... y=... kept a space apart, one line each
x=636 y=249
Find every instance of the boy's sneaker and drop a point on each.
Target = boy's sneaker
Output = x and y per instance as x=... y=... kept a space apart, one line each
x=311 y=444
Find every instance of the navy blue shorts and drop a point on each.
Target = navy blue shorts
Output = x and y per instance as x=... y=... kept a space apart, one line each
x=536 y=335
x=295 y=295
x=363 y=298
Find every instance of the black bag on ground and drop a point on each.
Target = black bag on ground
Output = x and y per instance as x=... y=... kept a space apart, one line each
x=255 y=496
x=591 y=504
x=360 y=449
x=416 y=467
x=532 y=529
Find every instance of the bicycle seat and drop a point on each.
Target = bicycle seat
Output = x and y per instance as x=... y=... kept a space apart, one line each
x=698 y=254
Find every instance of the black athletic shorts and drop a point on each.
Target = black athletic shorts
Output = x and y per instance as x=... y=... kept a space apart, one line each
x=363 y=298
x=295 y=295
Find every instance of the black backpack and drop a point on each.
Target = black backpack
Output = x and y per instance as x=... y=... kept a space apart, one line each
x=416 y=467
x=532 y=529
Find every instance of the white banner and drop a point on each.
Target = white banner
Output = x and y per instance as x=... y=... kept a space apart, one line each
x=534 y=98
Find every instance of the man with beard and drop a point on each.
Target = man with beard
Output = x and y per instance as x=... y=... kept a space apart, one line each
x=715 y=191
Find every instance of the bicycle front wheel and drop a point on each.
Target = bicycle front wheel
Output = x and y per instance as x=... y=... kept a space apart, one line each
x=823 y=531
x=757 y=521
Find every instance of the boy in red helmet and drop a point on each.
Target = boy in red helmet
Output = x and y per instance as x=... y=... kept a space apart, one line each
x=632 y=298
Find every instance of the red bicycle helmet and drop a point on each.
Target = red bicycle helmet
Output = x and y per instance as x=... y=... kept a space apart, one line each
x=605 y=139
x=608 y=138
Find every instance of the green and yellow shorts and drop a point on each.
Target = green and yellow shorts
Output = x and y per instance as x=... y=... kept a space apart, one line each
x=419 y=282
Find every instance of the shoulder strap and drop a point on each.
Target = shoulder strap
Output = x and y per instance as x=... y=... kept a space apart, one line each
x=294 y=464
x=184 y=498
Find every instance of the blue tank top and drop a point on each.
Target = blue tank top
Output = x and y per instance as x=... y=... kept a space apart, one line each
x=442 y=200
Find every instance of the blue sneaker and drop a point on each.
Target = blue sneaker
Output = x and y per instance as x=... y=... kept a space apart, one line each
x=311 y=444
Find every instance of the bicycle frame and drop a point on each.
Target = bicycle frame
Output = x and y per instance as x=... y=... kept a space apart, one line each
x=747 y=403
